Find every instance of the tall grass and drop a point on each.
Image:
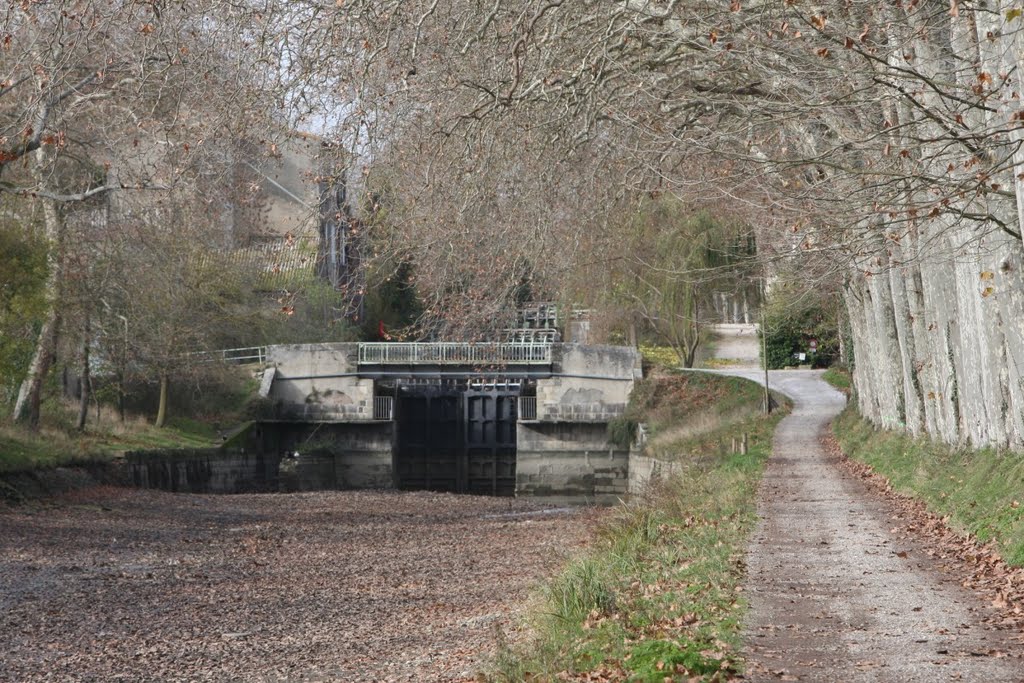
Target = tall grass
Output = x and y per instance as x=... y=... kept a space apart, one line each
x=657 y=594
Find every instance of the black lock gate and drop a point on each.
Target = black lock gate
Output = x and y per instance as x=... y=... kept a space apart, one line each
x=456 y=437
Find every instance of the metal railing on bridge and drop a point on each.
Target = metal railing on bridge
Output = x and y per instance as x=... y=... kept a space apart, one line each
x=453 y=353
x=248 y=354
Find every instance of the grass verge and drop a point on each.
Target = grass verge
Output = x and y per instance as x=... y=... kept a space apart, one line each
x=224 y=398
x=980 y=491
x=658 y=594
x=840 y=378
x=52 y=446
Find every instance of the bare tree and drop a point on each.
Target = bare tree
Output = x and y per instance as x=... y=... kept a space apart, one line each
x=881 y=138
x=110 y=99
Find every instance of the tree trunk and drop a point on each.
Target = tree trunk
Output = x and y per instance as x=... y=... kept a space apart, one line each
x=161 y=413
x=120 y=394
x=85 y=379
x=690 y=356
x=26 y=408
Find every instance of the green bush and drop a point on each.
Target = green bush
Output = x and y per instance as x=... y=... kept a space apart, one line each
x=622 y=431
x=391 y=301
x=660 y=356
x=791 y=322
x=211 y=393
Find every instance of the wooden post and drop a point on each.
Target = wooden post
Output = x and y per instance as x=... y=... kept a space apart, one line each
x=764 y=362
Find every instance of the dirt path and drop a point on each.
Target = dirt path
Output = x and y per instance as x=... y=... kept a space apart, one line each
x=737 y=344
x=834 y=595
x=112 y=584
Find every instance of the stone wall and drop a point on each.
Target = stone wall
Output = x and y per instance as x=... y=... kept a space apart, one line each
x=349 y=456
x=318 y=382
x=569 y=459
x=211 y=470
x=330 y=456
x=644 y=470
x=592 y=383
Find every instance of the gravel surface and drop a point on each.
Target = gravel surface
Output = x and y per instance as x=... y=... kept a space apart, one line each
x=111 y=584
x=737 y=344
x=836 y=594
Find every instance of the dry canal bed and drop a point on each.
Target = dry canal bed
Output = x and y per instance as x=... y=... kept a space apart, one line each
x=115 y=584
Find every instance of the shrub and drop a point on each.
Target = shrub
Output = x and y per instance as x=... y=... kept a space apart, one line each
x=622 y=431
x=791 y=323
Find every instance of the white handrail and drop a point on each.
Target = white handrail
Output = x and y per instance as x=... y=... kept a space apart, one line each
x=245 y=354
x=453 y=353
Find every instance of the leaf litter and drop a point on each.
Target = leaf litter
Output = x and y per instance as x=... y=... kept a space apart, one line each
x=115 y=584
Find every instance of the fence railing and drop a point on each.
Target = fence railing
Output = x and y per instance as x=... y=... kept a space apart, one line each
x=383 y=408
x=527 y=408
x=247 y=354
x=453 y=353
x=531 y=335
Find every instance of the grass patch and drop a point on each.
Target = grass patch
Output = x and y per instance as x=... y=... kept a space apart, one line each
x=840 y=378
x=721 y=362
x=57 y=443
x=656 y=596
x=673 y=399
x=659 y=356
x=199 y=411
x=981 y=491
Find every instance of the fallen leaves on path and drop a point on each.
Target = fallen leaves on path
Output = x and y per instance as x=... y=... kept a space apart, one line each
x=978 y=566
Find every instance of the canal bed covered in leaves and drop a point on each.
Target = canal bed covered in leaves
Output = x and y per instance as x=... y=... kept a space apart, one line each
x=115 y=584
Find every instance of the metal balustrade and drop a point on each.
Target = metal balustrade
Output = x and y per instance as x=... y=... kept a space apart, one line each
x=247 y=354
x=527 y=408
x=453 y=353
x=530 y=335
x=383 y=408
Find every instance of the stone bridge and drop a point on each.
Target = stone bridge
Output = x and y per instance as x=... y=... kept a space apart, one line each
x=492 y=418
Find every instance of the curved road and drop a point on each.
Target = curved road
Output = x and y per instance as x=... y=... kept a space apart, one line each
x=834 y=596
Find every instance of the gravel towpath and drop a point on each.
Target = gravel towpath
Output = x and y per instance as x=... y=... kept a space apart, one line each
x=116 y=584
x=834 y=594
